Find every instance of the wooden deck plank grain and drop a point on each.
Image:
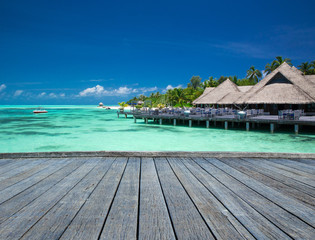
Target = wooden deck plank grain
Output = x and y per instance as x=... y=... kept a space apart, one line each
x=222 y=223
x=256 y=223
x=295 y=165
x=121 y=222
x=250 y=170
x=18 y=224
x=15 y=189
x=187 y=221
x=294 y=170
x=14 y=164
x=282 y=176
x=300 y=176
x=4 y=162
x=18 y=174
x=22 y=169
x=88 y=223
x=154 y=220
x=309 y=162
x=13 y=205
x=160 y=198
x=59 y=217
x=259 y=195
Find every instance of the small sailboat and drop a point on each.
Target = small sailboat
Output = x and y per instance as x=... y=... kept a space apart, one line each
x=40 y=110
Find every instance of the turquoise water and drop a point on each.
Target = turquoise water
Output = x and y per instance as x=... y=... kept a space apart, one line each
x=87 y=128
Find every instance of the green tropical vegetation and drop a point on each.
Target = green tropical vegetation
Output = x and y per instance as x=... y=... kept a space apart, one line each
x=183 y=97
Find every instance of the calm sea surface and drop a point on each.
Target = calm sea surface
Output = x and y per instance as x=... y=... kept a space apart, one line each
x=87 y=128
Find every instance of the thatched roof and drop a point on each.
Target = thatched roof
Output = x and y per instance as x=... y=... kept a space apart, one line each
x=244 y=88
x=285 y=85
x=310 y=78
x=205 y=92
x=230 y=98
x=213 y=96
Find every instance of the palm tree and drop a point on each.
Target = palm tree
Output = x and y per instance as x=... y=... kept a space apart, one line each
x=253 y=74
x=276 y=63
x=313 y=66
x=195 y=82
x=268 y=68
x=279 y=60
x=306 y=68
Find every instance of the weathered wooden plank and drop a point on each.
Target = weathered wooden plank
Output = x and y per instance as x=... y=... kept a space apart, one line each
x=88 y=223
x=187 y=221
x=297 y=173
x=248 y=189
x=3 y=162
x=15 y=189
x=56 y=220
x=22 y=169
x=13 y=205
x=222 y=223
x=19 y=174
x=300 y=176
x=154 y=220
x=121 y=222
x=14 y=164
x=255 y=222
x=297 y=165
x=294 y=167
x=282 y=179
x=284 y=176
x=18 y=224
x=310 y=162
x=250 y=170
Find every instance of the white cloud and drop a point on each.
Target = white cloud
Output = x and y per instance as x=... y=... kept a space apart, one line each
x=17 y=93
x=169 y=87
x=52 y=95
x=62 y=95
x=101 y=91
x=98 y=89
x=2 y=87
x=123 y=91
x=150 y=89
x=42 y=94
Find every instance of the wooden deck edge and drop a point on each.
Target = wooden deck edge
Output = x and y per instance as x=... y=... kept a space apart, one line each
x=156 y=154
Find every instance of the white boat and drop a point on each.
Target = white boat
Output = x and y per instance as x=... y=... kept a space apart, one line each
x=40 y=110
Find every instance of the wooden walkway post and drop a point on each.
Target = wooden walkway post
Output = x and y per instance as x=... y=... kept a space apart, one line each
x=174 y=121
x=226 y=124
x=134 y=119
x=207 y=124
x=272 y=127
x=190 y=123
x=296 y=128
x=161 y=121
x=247 y=126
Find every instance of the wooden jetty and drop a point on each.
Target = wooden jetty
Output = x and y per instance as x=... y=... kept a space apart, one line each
x=228 y=120
x=157 y=198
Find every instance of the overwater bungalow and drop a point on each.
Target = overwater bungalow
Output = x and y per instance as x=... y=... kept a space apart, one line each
x=284 y=88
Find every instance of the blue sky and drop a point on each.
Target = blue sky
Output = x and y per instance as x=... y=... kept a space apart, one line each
x=83 y=52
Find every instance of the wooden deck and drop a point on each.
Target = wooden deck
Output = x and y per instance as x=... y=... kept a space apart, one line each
x=157 y=198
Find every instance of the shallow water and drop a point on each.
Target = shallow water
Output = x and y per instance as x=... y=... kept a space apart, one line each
x=87 y=128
